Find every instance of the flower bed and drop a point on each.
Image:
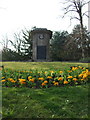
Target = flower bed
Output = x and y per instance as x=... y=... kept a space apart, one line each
x=43 y=79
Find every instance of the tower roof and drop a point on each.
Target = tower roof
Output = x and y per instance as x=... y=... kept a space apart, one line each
x=41 y=30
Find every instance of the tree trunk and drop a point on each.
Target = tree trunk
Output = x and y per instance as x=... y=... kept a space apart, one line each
x=82 y=34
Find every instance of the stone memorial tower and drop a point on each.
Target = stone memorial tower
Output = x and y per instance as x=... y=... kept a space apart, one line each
x=40 y=38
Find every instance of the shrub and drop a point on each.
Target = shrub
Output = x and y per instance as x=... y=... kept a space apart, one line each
x=87 y=59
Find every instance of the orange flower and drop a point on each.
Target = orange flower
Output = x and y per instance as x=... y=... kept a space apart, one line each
x=23 y=82
x=53 y=81
x=13 y=81
x=41 y=78
x=10 y=79
x=60 y=71
x=51 y=71
x=69 y=71
x=74 y=68
x=43 y=84
x=45 y=81
x=56 y=83
x=80 y=75
x=32 y=80
x=66 y=82
x=3 y=80
x=30 y=71
x=60 y=78
x=29 y=77
x=69 y=77
x=45 y=72
x=50 y=77
x=75 y=79
x=85 y=76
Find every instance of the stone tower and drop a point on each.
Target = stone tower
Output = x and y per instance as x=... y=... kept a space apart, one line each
x=40 y=38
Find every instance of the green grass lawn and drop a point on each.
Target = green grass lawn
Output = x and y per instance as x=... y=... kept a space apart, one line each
x=41 y=65
x=53 y=102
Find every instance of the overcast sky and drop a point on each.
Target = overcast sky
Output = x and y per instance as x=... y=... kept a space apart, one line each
x=19 y=14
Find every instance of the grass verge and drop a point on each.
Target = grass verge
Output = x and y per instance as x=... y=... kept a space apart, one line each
x=54 y=102
x=41 y=65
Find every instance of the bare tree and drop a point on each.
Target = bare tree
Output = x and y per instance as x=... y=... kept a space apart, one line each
x=17 y=43
x=4 y=43
x=76 y=6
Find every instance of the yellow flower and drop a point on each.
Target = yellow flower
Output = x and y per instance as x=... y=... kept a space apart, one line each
x=80 y=75
x=52 y=71
x=65 y=82
x=45 y=81
x=41 y=78
x=75 y=79
x=22 y=80
x=74 y=68
x=85 y=76
x=60 y=71
x=56 y=83
x=53 y=81
x=13 y=81
x=60 y=78
x=30 y=71
x=39 y=72
x=88 y=72
x=45 y=72
x=3 y=80
x=69 y=77
x=82 y=79
x=32 y=80
x=83 y=72
x=10 y=79
x=80 y=67
x=3 y=77
x=50 y=77
x=69 y=71
x=29 y=77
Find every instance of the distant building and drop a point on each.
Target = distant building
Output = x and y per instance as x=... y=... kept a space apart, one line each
x=40 y=38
